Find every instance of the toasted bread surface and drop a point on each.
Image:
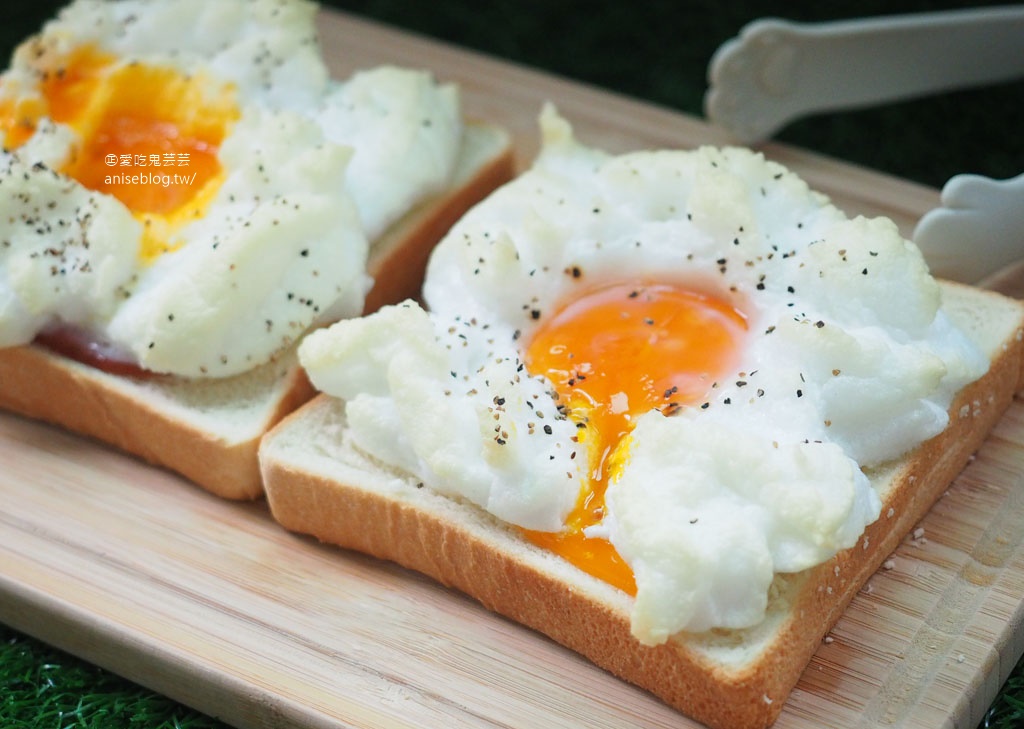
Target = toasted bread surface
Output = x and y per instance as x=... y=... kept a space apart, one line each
x=209 y=430
x=318 y=484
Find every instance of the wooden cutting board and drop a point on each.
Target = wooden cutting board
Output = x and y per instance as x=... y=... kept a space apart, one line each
x=209 y=602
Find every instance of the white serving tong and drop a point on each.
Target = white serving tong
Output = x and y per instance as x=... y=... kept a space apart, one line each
x=776 y=71
x=977 y=231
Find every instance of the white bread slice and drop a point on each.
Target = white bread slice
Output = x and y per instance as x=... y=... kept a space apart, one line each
x=209 y=430
x=318 y=484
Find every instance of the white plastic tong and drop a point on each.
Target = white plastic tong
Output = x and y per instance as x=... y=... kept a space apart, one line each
x=776 y=71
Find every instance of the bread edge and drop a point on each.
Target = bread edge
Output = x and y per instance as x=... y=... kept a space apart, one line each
x=679 y=672
x=41 y=385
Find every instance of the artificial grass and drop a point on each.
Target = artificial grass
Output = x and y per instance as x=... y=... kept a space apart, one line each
x=1007 y=711
x=42 y=687
x=656 y=51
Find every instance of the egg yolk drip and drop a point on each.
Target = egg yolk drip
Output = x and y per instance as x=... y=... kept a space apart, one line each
x=613 y=354
x=148 y=135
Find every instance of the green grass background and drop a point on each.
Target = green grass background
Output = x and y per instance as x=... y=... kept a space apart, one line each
x=658 y=51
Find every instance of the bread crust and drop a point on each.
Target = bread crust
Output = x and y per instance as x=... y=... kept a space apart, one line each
x=42 y=385
x=479 y=561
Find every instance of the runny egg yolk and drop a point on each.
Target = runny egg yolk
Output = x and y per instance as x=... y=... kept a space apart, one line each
x=148 y=135
x=613 y=354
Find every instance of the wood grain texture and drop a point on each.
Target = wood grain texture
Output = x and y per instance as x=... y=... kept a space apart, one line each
x=211 y=603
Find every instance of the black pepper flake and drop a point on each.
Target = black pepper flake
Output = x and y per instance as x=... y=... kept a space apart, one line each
x=799 y=393
x=741 y=383
x=304 y=253
x=670 y=392
x=535 y=314
x=865 y=272
x=819 y=324
x=705 y=406
x=547 y=429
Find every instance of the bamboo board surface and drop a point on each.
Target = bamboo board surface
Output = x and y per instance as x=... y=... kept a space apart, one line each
x=211 y=603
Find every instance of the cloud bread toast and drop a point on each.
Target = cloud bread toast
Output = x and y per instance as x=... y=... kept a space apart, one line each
x=209 y=430
x=317 y=483
x=442 y=444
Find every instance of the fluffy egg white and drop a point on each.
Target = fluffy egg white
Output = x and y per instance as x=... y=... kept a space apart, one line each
x=833 y=354
x=236 y=185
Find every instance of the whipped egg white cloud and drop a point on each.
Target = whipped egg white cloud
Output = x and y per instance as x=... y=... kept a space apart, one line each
x=849 y=361
x=276 y=240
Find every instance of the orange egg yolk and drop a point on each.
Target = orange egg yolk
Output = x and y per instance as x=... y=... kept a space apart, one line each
x=148 y=135
x=613 y=354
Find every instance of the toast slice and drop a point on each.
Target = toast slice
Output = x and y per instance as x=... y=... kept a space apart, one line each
x=317 y=483
x=209 y=430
